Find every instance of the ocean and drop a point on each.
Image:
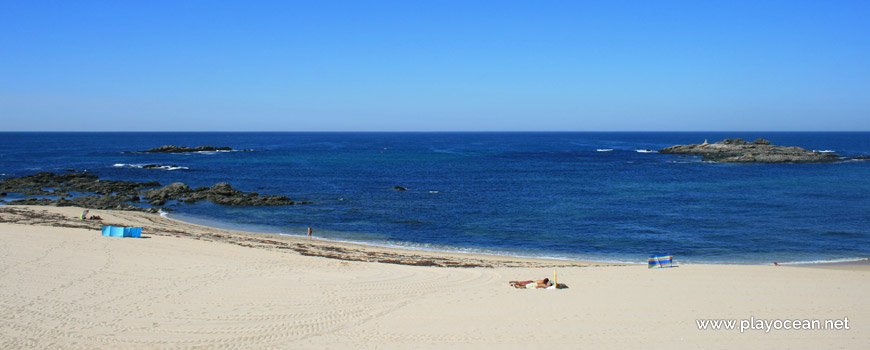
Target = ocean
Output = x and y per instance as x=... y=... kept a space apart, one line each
x=555 y=194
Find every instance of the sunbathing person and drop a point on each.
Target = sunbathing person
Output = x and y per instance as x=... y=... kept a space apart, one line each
x=544 y=283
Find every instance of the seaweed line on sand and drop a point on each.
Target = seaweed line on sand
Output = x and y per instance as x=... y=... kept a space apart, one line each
x=154 y=225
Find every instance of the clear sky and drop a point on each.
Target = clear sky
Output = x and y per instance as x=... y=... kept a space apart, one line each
x=434 y=65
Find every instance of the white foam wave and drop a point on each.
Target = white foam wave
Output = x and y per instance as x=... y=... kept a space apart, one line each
x=446 y=151
x=604 y=150
x=214 y=152
x=645 y=151
x=824 y=261
x=150 y=166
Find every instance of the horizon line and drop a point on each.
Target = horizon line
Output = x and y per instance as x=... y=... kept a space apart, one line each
x=431 y=131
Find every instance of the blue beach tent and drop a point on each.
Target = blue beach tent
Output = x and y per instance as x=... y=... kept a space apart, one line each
x=115 y=231
x=661 y=261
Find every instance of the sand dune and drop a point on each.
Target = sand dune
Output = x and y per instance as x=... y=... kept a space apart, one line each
x=187 y=286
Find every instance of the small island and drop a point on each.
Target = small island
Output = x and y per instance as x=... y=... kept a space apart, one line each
x=759 y=151
x=185 y=149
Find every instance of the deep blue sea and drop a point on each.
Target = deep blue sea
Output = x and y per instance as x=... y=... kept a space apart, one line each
x=525 y=194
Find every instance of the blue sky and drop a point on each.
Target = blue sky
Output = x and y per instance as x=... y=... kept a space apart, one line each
x=434 y=66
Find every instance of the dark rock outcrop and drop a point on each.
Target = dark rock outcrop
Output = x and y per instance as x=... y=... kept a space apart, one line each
x=184 y=149
x=400 y=188
x=50 y=184
x=108 y=194
x=758 y=151
x=221 y=193
x=168 y=192
x=90 y=202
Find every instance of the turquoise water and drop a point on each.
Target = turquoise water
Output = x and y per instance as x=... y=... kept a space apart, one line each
x=529 y=194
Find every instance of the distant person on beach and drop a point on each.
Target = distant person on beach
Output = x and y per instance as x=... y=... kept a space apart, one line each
x=309 y=231
x=544 y=283
x=775 y=263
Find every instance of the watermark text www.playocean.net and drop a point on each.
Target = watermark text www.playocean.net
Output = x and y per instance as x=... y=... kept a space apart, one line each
x=767 y=325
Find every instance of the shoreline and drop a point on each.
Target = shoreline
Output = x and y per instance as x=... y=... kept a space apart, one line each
x=207 y=222
x=156 y=224
x=217 y=224
x=391 y=253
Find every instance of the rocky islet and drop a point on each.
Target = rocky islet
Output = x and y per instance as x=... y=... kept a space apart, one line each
x=738 y=150
x=185 y=149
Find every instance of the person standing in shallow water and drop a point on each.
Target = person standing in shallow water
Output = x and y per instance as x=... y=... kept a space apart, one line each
x=309 y=231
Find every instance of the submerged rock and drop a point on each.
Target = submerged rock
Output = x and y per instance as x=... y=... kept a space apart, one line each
x=759 y=151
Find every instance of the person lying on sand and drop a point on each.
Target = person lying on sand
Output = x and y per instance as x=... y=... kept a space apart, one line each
x=544 y=283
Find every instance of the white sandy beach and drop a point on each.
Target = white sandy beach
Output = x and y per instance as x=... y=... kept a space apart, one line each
x=71 y=288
